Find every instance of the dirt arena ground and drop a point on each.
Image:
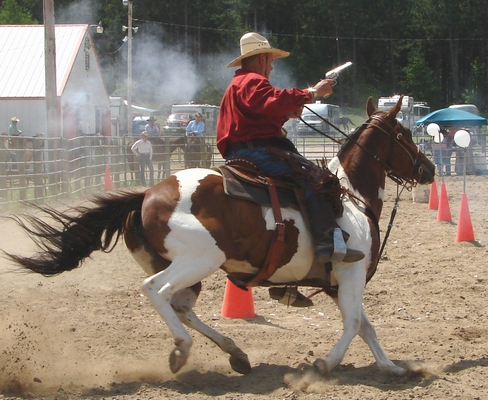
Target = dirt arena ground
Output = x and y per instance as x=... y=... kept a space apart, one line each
x=91 y=334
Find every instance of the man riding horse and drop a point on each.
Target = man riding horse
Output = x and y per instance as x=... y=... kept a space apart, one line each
x=250 y=122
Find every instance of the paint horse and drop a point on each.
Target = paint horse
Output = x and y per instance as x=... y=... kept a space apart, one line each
x=185 y=228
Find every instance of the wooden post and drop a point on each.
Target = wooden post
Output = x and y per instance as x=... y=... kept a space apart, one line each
x=52 y=106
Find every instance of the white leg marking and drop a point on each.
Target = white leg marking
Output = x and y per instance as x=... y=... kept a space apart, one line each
x=183 y=272
x=351 y=279
x=368 y=334
x=182 y=302
x=355 y=321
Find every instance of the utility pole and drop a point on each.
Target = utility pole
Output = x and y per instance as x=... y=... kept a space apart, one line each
x=52 y=104
x=128 y=3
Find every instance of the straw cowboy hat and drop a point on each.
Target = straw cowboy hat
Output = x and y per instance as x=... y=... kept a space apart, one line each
x=144 y=133
x=252 y=44
x=15 y=119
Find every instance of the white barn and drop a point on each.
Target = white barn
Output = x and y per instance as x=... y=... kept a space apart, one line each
x=84 y=105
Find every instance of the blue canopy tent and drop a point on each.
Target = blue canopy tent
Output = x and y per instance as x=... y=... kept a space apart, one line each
x=452 y=117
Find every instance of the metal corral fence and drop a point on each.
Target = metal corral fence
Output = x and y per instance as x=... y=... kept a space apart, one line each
x=41 y=169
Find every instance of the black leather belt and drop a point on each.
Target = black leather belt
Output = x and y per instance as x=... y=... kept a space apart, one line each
x=281 y=142
x=250 y=144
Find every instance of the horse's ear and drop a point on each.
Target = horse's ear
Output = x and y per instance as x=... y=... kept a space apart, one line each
x=395 y=109
x=370 y=108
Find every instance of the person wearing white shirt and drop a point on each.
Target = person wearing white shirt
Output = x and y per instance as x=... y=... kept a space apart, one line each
x=143 y=149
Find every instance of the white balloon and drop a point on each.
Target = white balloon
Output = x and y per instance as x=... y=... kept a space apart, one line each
x=462 y=138
x=439 y=137
x=433 y=129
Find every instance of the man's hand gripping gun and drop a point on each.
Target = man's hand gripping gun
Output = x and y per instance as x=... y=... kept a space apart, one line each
x=334 y=73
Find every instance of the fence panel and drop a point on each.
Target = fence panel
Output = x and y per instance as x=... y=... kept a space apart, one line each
x=53 y=168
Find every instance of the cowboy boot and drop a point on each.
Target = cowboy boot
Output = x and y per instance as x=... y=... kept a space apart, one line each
x=328 y=237
x=289 y=296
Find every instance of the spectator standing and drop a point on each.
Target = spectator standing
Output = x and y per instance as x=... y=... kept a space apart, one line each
x=442 y=151
x=10 y=156
x=142 y=148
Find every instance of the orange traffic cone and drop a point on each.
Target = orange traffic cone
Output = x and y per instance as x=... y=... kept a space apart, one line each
x=433 y=198
x=444 y=211
x=465 y=227
x=237 y=303
x=108 y=179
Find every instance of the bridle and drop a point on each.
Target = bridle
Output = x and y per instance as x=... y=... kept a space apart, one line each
x=397 y=138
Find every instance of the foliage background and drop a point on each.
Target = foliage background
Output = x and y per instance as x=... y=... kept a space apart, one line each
x=435 y=51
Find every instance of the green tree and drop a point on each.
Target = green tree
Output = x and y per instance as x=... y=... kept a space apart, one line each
x=13 y=13
x=419 y=81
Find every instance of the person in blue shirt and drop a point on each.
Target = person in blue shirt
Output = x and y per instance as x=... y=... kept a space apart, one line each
x=151 y=128
x=13 y=130
x=196 y=127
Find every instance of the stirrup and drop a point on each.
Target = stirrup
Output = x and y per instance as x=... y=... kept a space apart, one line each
x=289 y=296
x=339 y=251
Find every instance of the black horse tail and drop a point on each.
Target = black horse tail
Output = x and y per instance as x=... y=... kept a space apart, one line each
x=75 y=233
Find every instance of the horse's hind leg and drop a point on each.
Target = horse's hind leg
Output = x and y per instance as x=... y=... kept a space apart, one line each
x=183 y=303
x=161 y=287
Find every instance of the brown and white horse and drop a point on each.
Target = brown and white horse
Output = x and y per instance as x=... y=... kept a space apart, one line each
x=185 y=228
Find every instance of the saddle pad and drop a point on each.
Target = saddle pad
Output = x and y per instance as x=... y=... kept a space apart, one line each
x=236 y=186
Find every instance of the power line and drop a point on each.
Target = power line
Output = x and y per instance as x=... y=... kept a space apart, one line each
x=316 y=36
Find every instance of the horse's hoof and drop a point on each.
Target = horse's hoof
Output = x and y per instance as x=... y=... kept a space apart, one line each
x=398 y=371
x=177 y=359
x=240 y=363
x=320 y=367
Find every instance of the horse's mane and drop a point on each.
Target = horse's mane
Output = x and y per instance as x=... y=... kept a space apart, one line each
x=352 y=138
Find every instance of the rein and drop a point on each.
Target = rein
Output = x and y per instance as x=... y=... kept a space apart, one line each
x=326 y=121
x=407 y=184
x=391 y=129
x=390 y=224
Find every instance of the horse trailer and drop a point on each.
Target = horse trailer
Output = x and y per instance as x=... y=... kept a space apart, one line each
x=313 y=117
x=411 y=111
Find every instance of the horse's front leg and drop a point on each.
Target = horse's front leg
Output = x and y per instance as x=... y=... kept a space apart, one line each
x=351 y=279
x=368 y=334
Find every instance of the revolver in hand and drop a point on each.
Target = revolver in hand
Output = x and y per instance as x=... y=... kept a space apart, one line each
x=334 y=73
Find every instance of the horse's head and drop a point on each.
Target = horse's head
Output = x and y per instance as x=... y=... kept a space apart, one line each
x=405 y=162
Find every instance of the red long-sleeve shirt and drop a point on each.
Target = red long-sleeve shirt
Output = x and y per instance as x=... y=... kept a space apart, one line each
x=253 y=109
